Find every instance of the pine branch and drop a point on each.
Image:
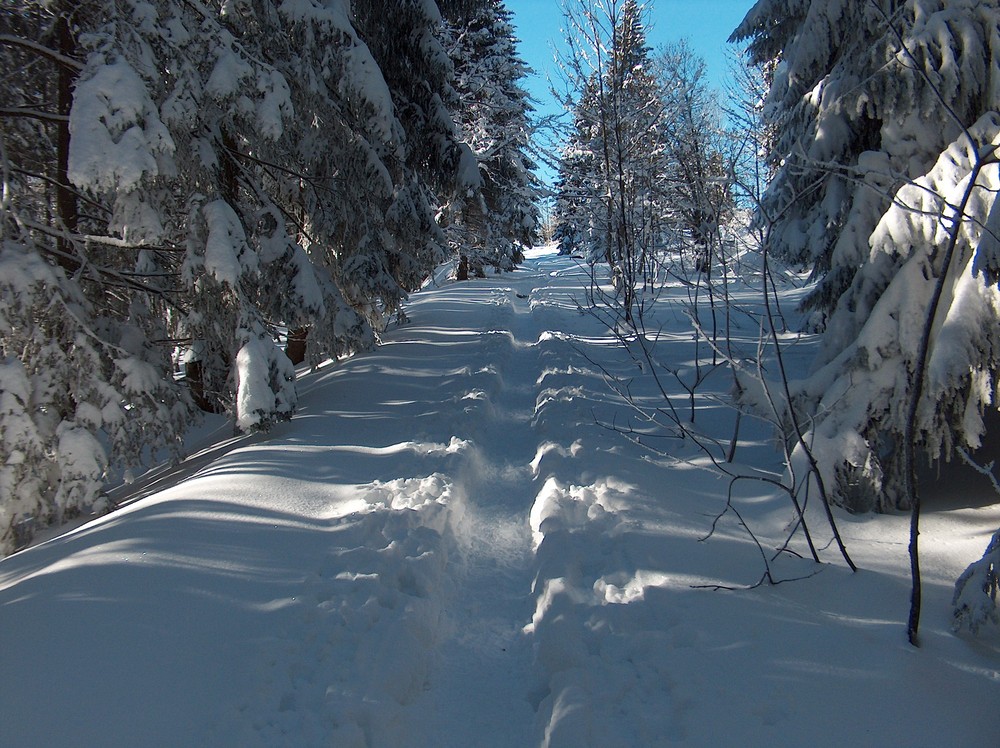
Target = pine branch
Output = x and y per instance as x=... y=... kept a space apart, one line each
x=32 y=113
x=40 y=49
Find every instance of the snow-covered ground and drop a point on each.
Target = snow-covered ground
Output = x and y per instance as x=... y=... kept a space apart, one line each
x=447 y=547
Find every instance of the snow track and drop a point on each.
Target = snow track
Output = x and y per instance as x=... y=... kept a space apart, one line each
x=487 y=651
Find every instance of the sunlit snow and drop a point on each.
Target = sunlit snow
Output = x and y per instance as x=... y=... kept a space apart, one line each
x=447 y=546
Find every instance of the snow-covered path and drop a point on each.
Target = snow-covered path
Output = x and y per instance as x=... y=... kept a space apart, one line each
x=445 y=548
x=484 y=667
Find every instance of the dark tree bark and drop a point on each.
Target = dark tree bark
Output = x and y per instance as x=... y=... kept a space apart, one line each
x=67 y=208
x=295 y=348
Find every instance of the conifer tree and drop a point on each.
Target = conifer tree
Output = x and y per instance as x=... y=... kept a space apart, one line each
x=82 y=378
x=493 y=224
x=613 y=148
x=885 y=155
x=186 y=180
x=572 y=198
x=696 y=195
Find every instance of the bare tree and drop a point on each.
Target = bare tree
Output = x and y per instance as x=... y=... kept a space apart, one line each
x=615 y=147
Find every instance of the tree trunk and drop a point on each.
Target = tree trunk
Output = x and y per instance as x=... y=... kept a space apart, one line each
x=295 y=348
x=194 y=375
x=67 y=208
x=910 y=429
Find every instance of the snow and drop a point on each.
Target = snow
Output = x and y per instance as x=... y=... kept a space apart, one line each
x=975 y=599
x=82 y=461
x=275 y=104
x=306 y=286
x=137 y=376
x=227 y=255
x=468 y=169
x=135 y=219
x=446 y=546
x=363 y=78
x=117 y=135
x=254 y=397
x=333 y=13
x=230 y=70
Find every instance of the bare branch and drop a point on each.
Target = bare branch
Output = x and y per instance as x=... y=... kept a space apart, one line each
x=32 y=113
x=16 y=41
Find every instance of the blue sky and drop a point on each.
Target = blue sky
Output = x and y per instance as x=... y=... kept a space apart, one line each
x=706 y=24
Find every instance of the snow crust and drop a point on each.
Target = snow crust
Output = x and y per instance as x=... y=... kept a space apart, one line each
x=448 y=547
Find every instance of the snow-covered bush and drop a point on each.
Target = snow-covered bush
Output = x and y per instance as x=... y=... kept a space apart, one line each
x=975 y=600
x=265 y=384
x=78 y=390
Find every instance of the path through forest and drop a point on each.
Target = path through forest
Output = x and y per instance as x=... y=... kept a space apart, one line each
x=447 y=546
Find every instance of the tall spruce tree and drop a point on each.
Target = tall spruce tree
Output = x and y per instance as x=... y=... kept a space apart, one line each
x=613 y=154
x=493 y=225
x=83 y=378
x=573 y=198
x=696 y=197
x=886 y=170
x=187 y=179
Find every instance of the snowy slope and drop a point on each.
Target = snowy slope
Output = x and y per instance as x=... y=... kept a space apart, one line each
x=446 y=547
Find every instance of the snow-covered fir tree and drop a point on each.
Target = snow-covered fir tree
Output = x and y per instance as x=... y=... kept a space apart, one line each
x=696 y=199
x=886 y=155
x=85 y=375
x=646 y=137
x=613 y=159
x=415 y=65
x=189 y=179
x=570 y=211
x=974 y=603
x=492 y=226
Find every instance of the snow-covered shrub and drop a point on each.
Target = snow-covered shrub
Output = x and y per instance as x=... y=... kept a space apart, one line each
x=265 y=384
x=78 y=391
x=975 y=600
